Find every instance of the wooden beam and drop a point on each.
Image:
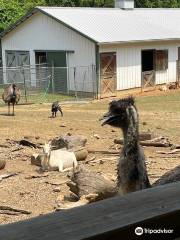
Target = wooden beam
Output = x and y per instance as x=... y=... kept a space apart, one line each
x=114 y=218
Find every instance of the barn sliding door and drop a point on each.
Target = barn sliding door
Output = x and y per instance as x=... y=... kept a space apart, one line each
x=14 y=61
x=108 y=74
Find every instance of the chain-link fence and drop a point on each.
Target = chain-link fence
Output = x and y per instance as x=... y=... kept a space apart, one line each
x=41 y=83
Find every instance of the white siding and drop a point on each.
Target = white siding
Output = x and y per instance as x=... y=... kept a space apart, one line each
x=41 y=32
x=129 y=63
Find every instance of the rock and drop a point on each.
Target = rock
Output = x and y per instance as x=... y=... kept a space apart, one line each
x=2 y=163
x=96 y=136
x=81 y=154
x=36 y=159
x=69 y=142
x=57 y=189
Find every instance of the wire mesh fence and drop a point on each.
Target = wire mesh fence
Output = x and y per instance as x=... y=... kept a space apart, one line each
x=41 y=83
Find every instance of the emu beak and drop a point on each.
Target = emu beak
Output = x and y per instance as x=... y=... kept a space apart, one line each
x=107 y=118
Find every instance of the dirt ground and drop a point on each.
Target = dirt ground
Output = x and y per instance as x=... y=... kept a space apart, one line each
x=39 y=192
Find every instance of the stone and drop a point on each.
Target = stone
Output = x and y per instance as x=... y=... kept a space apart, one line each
x=81 y=154
x=68 y=142
x=2 y=163
x=36 y=159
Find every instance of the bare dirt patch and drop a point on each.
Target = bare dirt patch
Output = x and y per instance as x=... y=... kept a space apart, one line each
x=38 y=192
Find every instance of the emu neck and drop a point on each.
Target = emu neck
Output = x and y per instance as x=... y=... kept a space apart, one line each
x=131 y=132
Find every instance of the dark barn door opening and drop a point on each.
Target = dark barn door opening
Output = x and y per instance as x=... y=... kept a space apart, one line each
x=56 y=66
x=148 y=67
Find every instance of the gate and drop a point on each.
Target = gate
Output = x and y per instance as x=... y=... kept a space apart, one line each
x=148 y=79
x=108 y=74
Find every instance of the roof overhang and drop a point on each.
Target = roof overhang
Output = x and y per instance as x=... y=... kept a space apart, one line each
x=32 y=12
x=139 y=41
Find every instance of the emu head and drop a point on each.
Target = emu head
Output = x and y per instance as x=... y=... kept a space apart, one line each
x=120 y=112
x=14 y=86
x=47 y=148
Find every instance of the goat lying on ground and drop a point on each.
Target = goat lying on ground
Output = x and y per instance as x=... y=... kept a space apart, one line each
x=61 y=160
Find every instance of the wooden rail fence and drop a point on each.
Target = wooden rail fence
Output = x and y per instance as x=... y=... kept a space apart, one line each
x=110 y=219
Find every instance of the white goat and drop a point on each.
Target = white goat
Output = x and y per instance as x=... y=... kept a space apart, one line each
x=61 y=160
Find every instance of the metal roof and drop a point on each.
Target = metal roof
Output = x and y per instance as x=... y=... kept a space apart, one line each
x=108 y=25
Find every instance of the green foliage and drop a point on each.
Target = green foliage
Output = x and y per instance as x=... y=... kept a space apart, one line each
x=12 y=10
x=158 y=3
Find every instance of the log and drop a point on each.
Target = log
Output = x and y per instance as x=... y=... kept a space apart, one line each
x=85 y=182
x=7 y=175
x=169 y=152
x=146 y=143
x=146 y=136
x=103 y=152
x=169 y=177
x=27 y=143
x=175 y=146
x=14 y=210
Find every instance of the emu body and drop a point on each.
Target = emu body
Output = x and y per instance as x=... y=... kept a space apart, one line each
x=55 y=108
x=131 y=168
x=11 y=95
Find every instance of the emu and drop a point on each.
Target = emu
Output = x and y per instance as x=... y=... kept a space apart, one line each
x=131 y=169
x=55 y=108
x=11 y=95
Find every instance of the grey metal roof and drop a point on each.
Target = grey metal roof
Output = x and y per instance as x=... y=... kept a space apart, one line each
x=107 y=25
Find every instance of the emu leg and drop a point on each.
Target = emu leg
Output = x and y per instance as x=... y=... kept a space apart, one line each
x=61 y=112
x=8 y=108
x=13 y=110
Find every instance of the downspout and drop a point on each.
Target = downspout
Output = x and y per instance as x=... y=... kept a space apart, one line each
x=97 y=71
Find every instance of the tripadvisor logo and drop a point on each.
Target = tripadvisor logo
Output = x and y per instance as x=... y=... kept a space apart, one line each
x=138 y=231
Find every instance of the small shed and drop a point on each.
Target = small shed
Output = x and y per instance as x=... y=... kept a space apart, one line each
x=120 y=48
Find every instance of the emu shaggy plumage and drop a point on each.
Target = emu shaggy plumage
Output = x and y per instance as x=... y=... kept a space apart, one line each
x=55 y=108
x=131 y=169
x=11 y=95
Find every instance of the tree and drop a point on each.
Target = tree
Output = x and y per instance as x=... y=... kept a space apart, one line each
x=12 y=10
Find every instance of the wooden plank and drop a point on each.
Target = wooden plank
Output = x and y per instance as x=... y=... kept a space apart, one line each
x=114 y=218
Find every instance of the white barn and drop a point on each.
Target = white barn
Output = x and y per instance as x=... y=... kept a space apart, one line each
x=128 y=46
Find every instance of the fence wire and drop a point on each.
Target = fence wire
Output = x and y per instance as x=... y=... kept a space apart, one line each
x=43 y=83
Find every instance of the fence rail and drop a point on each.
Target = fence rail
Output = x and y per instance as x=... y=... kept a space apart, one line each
x=43 y=80
x=111 y=219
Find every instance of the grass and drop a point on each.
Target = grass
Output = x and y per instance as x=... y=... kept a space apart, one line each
x=170 y=102
x=48 y=98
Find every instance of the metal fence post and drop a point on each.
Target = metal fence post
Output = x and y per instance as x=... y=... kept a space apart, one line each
x=24 y=81
x=75 y=83
x=52 y=78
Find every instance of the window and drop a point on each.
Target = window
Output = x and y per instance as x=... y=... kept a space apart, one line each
x=161 y=60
